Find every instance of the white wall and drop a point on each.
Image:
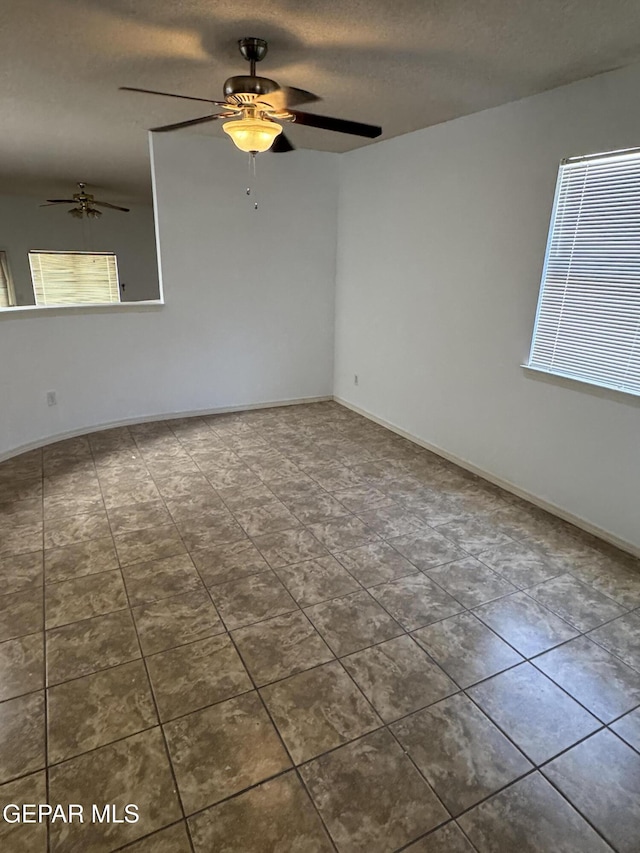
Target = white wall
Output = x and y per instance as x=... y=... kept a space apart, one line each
x=249 y=303
x=24 y=226
x=442 y=236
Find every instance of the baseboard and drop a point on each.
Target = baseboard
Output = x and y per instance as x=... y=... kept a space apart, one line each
x=558 y=511
x=165 y=416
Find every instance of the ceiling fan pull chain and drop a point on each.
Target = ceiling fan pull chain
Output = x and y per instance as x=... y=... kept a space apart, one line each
x=249 y=175
x=255 y=180
x=252 y=179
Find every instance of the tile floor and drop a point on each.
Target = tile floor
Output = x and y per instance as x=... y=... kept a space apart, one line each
x=292 y=630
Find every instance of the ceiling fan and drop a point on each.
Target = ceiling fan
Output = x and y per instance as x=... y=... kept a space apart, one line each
x=255 y=106
x=84 y=204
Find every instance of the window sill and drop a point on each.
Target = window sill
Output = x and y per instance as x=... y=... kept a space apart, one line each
x=588 y=385
x=62 y=310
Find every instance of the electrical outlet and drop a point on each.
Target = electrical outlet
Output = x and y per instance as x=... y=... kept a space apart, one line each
x=355 y=378
x=52 y=400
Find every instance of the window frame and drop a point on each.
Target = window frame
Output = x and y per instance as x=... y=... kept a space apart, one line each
x=559 y=374
x=6 y=269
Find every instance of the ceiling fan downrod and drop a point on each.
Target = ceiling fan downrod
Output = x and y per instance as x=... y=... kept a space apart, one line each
x=254 y=50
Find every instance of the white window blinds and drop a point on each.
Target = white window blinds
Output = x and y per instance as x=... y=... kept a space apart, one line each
x=588 y=321
x=74 y=278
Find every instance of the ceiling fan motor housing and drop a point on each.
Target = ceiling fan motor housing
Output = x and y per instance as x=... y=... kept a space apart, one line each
x=244 y=89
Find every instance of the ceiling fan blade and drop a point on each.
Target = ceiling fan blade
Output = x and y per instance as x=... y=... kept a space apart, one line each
x=282 y=144
x=298 y=96
x=112 y=206
x=338 y=125
x=189 y=123
x=171 y=95
x=59 y=201
x=288 y=96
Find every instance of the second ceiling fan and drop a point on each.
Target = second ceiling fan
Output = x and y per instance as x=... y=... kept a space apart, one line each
x=84 y=204
x=255 y=107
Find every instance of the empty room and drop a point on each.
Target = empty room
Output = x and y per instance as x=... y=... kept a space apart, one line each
x=319 y=426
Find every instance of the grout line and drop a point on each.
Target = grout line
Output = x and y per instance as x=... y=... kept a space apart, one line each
x=578 y=811
x=102 y=745
x=431 y=832
x=130 y=844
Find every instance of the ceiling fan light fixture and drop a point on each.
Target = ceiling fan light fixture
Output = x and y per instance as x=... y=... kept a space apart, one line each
x=252 y=134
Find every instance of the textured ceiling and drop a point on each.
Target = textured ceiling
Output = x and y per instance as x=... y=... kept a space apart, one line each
x=405 y=64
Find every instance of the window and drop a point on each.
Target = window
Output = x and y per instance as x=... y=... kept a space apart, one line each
x=7 y=296
x=74 y=278
x=588 y=321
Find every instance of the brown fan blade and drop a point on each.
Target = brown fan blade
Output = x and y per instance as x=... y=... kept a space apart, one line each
x=288 y=96
x=112 y=206
x=59 y=201
x=171 y=95
x=282 y=144
x=189 y=123
x=298 y=96
x=338 y=125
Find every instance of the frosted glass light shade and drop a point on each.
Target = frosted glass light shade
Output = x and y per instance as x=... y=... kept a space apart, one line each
x=252 y=134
